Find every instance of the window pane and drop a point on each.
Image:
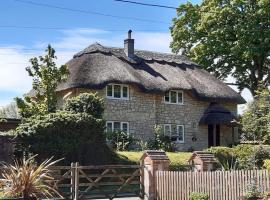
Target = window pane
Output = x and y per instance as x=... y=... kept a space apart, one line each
x=181 y=133
x=125 y=127
x=109 y=91
x=167 y=130
x=125 y=91
x=117 y=91
x=109 y=127
x=173 y=97
x=167 y=97
x=180 y=97
x=117 y=126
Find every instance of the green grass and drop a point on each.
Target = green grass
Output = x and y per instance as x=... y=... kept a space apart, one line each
x=178 y=159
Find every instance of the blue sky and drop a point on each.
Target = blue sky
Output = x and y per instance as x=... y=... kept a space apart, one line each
x=69 y=32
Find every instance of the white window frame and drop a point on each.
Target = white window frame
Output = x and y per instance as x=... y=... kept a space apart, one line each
x=164 y=131
x=121 y=125
x=177 y=132
x=183 y=128
x=177 y=99
x=121 y=95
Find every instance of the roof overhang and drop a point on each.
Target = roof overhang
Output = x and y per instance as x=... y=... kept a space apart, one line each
x=216 y=114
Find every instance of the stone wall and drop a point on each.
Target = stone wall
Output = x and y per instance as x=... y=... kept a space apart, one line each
x=144 y=110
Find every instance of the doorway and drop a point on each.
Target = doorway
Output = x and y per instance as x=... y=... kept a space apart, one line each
x=213 y=135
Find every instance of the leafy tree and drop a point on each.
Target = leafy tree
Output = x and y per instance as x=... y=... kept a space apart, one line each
x=256 y=119
x=46 y=77
x=226 y=38
x=9 y=111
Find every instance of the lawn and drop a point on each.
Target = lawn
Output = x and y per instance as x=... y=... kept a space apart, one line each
x=178 y=159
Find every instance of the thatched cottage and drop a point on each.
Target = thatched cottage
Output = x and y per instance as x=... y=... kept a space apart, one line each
x=144 y=88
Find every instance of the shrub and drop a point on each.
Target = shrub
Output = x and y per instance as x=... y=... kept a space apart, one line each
x=266 y=164
x=27 y=180
x=120 y=140
x=76 y=137
x=199 y=196
x=243 y=153
x=243 y=156
x=88 y=103
x=160 y=140
x=77 y=134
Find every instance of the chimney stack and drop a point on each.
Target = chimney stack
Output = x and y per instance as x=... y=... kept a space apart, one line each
x=129 y=45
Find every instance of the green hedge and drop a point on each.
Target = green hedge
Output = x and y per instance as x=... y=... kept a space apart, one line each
x=76 y=137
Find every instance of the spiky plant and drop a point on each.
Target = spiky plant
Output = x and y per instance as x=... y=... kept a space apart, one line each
x=28 y=180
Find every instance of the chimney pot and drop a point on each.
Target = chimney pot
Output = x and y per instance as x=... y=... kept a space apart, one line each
x=129 y=45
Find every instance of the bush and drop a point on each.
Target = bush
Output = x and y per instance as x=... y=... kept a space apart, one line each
x=120 y=140
x=199 y=196
x=160 y=140
x=243 y=156
x=77 y=134
x=88 y=103
x=76 y=137
x=27 y=180
x=266 y=164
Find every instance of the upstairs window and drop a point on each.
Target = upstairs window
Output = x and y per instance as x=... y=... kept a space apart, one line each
x=174 y=97
x=112 y=126
x=176 y=133
x=117 y=91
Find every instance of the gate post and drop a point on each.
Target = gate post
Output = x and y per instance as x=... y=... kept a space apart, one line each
x=151 y=162
x=72 y=180
x=76 y=190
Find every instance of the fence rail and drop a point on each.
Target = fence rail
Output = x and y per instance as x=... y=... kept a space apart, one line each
x=219 y=185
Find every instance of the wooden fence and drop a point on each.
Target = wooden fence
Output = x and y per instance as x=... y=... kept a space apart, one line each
x=97 y=182
x=219 y=185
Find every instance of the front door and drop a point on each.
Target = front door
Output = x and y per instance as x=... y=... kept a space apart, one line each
x=213 y=135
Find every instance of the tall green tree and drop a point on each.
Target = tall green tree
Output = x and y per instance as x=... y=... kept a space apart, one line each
x=227 y=37
x=46 y=77
x=256 y=119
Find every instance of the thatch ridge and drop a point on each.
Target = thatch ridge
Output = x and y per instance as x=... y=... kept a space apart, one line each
x=97 y=65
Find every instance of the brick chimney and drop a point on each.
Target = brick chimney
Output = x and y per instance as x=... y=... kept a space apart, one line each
x=129 y=45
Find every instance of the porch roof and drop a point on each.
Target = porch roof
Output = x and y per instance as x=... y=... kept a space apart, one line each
x=216 y=114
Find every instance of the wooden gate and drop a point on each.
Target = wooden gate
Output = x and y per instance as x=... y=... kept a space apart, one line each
x=107 y=181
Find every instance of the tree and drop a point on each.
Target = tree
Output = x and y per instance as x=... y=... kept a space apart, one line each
x=227 y=38
x=256 y=119
x=9 y=111
x=46 y=77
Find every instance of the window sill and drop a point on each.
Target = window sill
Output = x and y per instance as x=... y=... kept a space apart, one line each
x=181 y=104
x=113 y=98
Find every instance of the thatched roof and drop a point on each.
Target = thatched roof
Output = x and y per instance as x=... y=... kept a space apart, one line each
x=216 y=114
x=97 y=65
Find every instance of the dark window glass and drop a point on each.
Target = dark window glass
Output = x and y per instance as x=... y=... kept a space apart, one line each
x=173 y=97
x=117 y=91
x=125 y=127
x=125 y=91
x=167 y=97
x=117 y=126
x=109 y=127
x=180 y=97
x=109 y=90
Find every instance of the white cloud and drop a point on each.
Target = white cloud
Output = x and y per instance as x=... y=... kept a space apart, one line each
x=13 y=76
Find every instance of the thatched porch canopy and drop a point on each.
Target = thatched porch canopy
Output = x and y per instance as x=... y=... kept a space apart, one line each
x=216 y=114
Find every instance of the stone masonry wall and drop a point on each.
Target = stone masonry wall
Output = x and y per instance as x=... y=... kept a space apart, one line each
x=144 y=110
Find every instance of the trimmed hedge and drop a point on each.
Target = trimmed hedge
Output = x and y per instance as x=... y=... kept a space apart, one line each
x=76 y=137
